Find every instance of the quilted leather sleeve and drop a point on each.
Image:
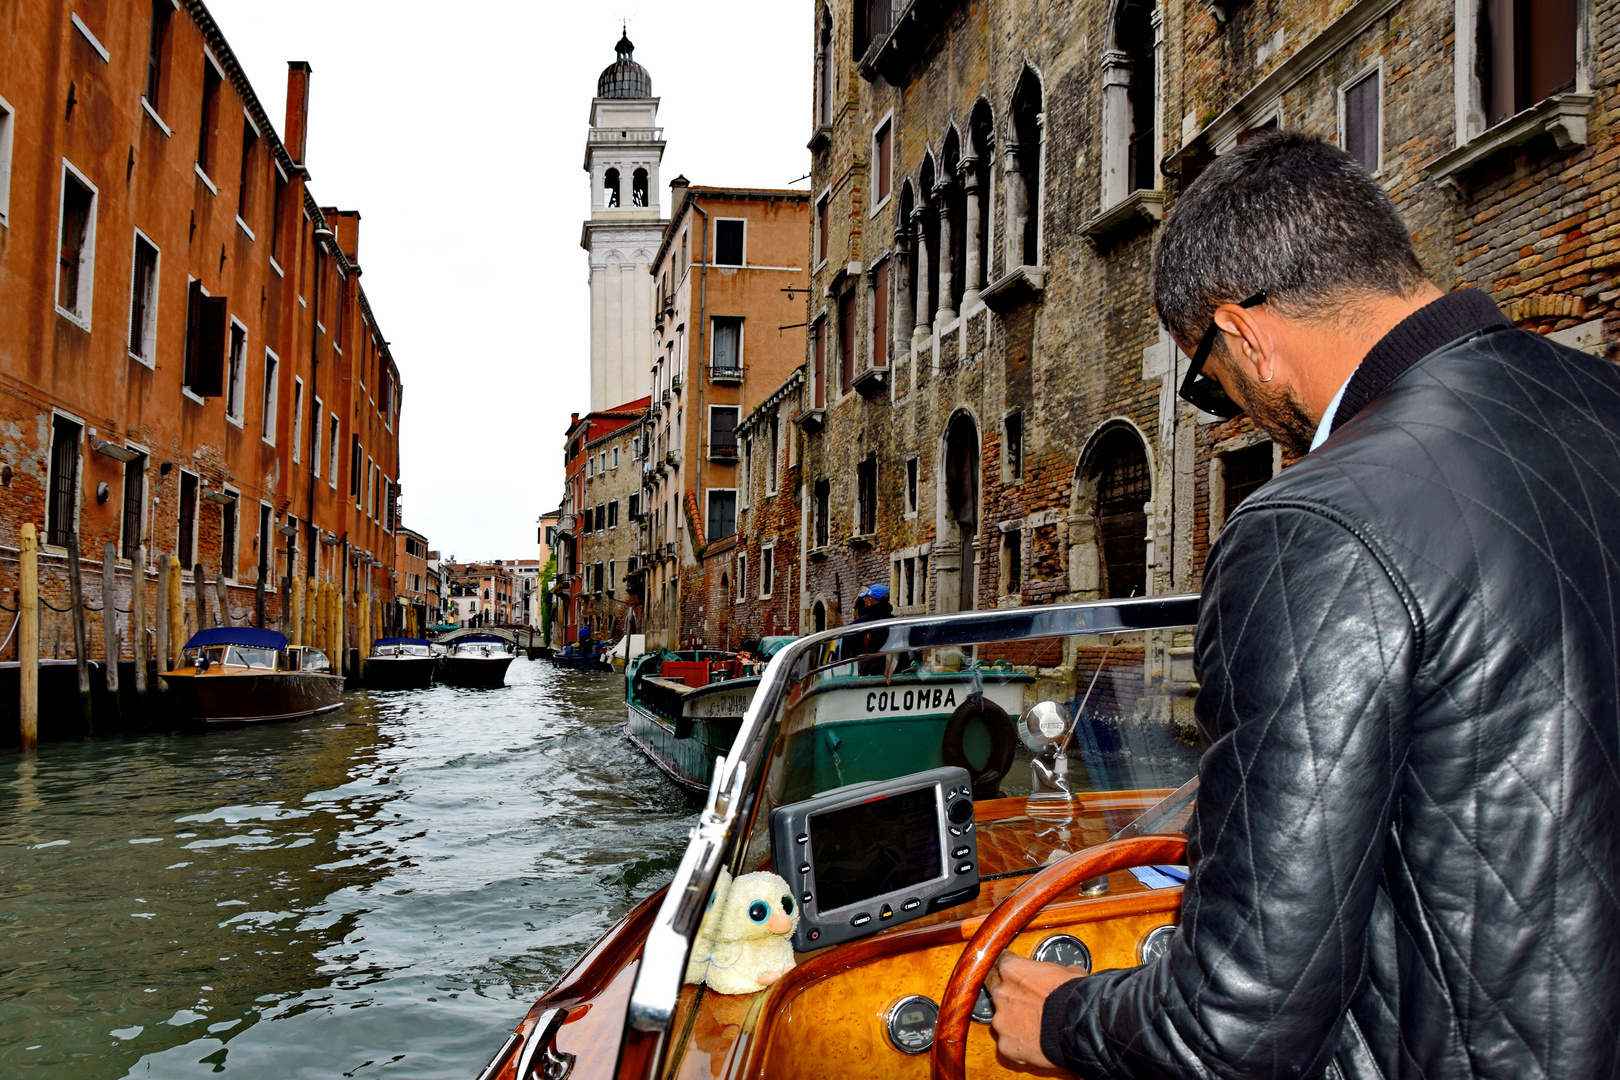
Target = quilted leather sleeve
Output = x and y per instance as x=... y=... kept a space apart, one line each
x=1305 y=656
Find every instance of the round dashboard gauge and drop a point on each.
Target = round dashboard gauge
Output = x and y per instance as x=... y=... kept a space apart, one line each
x=1156 y=943
x=984 y=1010
x=1065 y=949
x=911 y=1023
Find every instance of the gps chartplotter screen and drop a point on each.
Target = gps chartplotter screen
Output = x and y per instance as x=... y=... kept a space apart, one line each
x=875 y=847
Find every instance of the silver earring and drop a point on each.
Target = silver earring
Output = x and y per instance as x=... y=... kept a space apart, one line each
x=1268 y=378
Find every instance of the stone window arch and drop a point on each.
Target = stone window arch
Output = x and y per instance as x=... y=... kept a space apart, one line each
x=975 y=183
x=818 y=616
x=1108 y=519
x=958 y=485
x=1130 y=102
x=610 y=189
x=638 y=188
x=1021 y=163
x=824 y=70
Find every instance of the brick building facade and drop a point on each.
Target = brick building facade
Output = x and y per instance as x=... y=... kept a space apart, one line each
x=989 y=415
x=188 y=359
x=729 y=282
x=597 y=584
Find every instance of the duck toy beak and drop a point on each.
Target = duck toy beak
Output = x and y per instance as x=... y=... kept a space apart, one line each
x=779 y=924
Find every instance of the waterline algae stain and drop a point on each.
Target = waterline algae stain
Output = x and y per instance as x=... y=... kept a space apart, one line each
x=374 y=890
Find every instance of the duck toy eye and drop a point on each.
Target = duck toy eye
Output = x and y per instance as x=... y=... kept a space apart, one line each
x=787 y=905
x=759 y=911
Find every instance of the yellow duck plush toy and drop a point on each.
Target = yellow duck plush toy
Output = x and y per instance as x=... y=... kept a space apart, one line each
x=744 y=943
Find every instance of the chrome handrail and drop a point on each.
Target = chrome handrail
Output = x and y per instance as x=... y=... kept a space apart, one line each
x=733 y=794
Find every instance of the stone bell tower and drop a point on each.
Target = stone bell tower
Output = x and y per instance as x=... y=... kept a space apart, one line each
x=622 y=155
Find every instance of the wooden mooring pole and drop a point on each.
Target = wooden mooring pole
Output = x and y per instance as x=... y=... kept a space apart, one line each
x=81 y=646
x=109 y=625
x=162 y=626
x=224 y=600
x=258 y=598
x=137 y=618
x=177 y=615
x=199 y=593
x=28 y=638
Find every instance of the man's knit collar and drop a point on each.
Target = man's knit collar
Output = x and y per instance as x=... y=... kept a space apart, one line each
x=1455 y=315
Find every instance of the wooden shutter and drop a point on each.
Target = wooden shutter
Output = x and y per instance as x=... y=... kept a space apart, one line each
x=211 y=348
x=194 y=299
x=880 y=315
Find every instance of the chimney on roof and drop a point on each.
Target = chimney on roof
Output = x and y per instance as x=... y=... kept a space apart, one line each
x=574 y=421
x=677 y=193
x=297 y=126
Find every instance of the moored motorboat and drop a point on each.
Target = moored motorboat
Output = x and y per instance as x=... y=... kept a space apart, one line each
x=477 y=660
x=400 y=664
x=243 y=675
x=684 y=708
x=830 y=777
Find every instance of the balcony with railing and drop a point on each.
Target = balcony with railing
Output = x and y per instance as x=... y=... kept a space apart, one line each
x=897 y=33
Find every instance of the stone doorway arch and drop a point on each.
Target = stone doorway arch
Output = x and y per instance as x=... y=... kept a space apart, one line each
x=1109 y=551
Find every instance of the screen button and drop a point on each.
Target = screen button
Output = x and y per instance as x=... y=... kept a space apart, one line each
x=801 y=838
x=815 y=935
x=964 y=868
x=911 y=905
x=808 y=898
x=961 y=852
x=886 y=914
x=955 y=831
x=960 y=812
x=861 y=920
x=804 y=868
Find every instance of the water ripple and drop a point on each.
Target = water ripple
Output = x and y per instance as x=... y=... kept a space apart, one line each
x=390 y=885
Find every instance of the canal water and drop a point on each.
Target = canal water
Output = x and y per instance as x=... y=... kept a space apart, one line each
x=381 y=891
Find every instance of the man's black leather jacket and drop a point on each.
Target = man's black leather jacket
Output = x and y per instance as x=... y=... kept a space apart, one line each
x=1406 y=854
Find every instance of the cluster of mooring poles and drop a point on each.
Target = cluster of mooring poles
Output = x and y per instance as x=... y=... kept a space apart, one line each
x=315 y=615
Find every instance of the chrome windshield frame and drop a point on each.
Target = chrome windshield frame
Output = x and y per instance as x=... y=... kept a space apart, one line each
x=735 y=788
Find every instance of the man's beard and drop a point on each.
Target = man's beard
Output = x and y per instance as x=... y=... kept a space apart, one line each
x=1277 y=412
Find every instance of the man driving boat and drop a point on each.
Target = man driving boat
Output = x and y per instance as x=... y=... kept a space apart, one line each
x=1405 y=857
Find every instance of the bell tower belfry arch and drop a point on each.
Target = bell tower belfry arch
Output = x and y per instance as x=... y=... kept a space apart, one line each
x=623 y=151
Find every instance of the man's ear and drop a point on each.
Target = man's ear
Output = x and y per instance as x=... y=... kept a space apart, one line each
x=1248 y=339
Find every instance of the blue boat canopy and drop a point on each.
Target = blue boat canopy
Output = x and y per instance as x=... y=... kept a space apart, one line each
x=402 y=641
x=479 y=637
x=238 y=635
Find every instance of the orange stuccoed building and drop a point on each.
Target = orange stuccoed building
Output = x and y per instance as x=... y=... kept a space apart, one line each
x=188 y=362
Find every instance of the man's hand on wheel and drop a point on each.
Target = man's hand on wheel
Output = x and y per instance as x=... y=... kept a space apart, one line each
x=1020 y=987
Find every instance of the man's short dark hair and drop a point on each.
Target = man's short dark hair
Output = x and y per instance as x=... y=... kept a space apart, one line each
x=1285 y=212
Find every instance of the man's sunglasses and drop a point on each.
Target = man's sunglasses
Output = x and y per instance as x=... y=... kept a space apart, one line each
x=1203 y=392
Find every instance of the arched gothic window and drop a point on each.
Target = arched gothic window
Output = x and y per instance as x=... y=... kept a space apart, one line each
x=1124 y=487
x=824 y=68
x=961 y=493
x=1024 y=174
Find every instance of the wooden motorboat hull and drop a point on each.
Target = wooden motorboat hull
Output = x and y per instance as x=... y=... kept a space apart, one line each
x=688 y=759
x=476 y=672
x=253 y=697
x=399 y=672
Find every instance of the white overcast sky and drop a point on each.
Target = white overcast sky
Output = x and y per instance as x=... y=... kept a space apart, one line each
x=458 y=132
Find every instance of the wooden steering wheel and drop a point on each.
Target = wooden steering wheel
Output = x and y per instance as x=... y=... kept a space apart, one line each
x=949 y=1054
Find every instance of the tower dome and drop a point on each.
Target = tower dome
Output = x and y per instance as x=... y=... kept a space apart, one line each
x=624 y=78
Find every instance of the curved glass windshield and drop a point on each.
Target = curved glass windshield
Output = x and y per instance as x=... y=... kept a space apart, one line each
x=251 y=657
x=1114 y=716
x=403 y=650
